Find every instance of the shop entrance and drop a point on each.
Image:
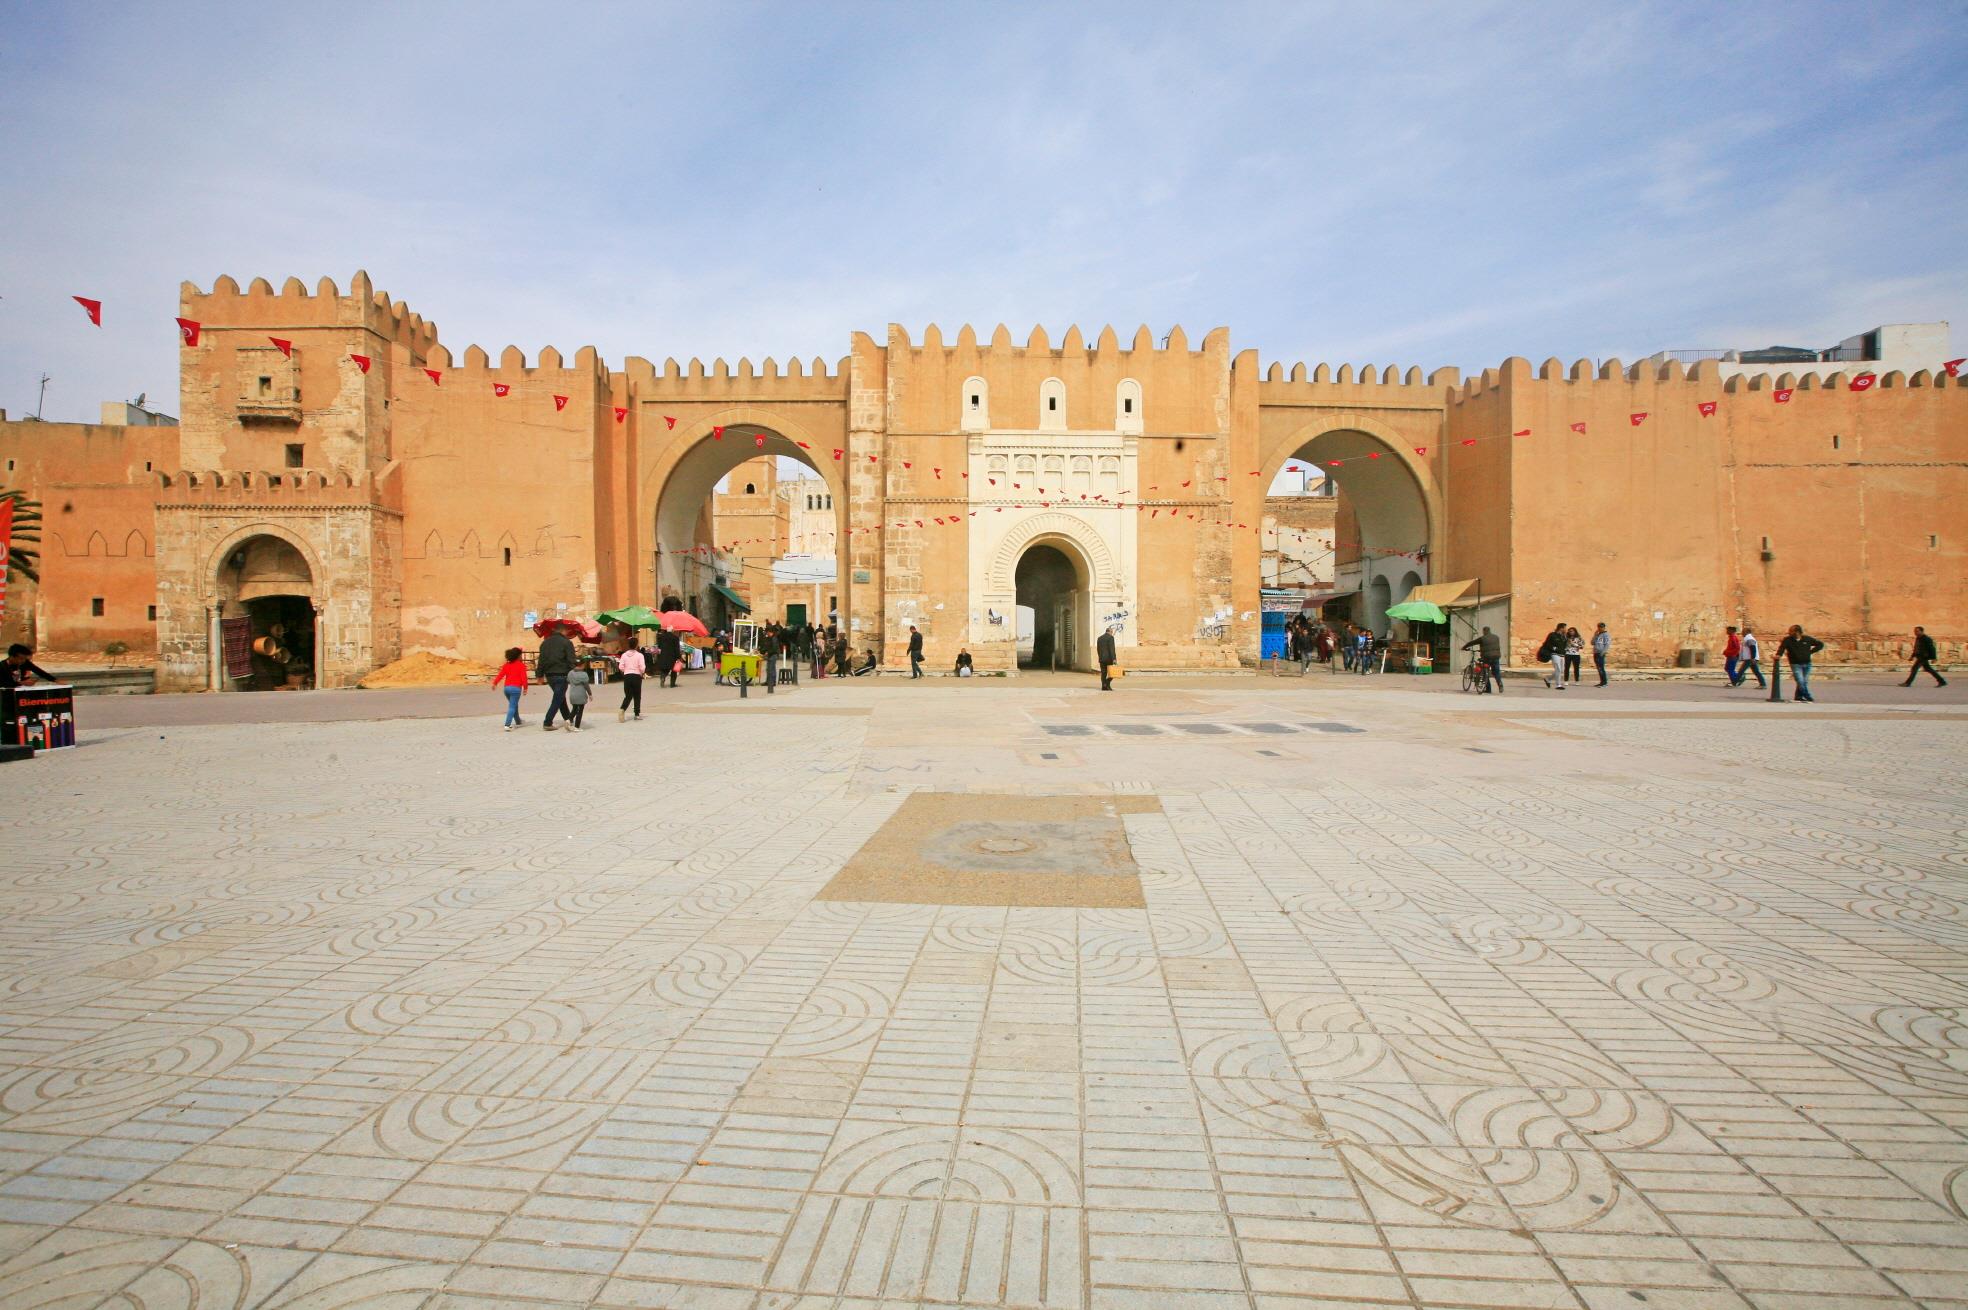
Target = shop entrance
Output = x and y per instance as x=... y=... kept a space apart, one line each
x=267 y=623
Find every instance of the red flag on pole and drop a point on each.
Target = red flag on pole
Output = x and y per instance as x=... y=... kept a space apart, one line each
x=188 y=329
x=361 y=362
x=437 y=378
x=286 y=346
x=621 y=413
x=93 y=308
x=1707 y=408
x=560 y=403
x=1863 y=382
x=1637 y=419
x=501 y=388
x=1782 y=395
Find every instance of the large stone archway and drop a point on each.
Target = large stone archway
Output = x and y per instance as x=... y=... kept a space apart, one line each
x=1110 y=592
x=678 y=483
x=1390 y=523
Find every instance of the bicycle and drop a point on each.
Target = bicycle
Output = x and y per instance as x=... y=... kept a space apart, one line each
x=1476 y=677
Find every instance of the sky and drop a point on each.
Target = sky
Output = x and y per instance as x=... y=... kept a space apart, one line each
x=1410 y=184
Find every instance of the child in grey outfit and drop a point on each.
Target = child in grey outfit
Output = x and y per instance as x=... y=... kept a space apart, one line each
x=577 y=696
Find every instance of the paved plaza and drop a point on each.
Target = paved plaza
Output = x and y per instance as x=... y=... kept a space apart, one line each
x=1245 y=993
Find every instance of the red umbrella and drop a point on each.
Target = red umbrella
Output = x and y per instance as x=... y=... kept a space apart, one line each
x=581 y=628
x=679 y=621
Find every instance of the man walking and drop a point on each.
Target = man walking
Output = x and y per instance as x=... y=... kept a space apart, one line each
x=1750 y=660
x=1731 y=652
x=1602 y=646
x=1104 y=651
x=555 y=662
x=1489 y=649
x=1924 y=655
x=1553 y=650
x=1798 y=648
x=915 y=652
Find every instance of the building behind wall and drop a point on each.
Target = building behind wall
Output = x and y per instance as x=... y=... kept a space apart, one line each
x=422 y=503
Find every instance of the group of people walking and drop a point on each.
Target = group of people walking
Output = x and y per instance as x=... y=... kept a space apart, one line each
x=571 y=688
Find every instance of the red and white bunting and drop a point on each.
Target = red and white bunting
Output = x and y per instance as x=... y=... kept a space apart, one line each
x=285 y=346
x=437 y=378
x=621 y=413
x=501 y=388
x=1637 y=419
x=1579 y=428
x=560 y=403
x=1782 y=395
x=669 y=423
x=188 y=329
x=1863 y=382
x=361 y=362
x=93 y=308
x=1707 y=408
x=1953 y=366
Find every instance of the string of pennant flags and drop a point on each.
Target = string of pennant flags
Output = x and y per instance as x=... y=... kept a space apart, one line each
x=189 y=331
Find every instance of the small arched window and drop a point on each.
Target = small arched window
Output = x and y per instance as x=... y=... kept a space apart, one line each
x=976 y=415
x=1127 y=406
x=750 y=490
x=1052 y=405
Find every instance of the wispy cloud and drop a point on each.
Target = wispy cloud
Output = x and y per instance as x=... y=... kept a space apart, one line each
x=1441 y=185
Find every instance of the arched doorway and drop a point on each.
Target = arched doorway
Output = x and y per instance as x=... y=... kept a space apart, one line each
x=1383 y=526
x=746 y=567
x=268 y=625
x=1054 y=589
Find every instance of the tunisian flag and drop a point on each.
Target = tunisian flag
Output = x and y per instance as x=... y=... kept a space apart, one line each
x=6 y=546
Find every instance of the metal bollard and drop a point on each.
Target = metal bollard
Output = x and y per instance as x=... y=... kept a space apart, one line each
x=1776 y=680
x=744 y=685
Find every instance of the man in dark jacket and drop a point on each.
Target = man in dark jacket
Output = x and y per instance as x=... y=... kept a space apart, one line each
x=1104 y=650
x=1798 y=647
x=915 y=652
x=1924 y=655
x=555 y=662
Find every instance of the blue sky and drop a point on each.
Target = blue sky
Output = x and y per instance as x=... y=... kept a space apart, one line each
x=1364 y=183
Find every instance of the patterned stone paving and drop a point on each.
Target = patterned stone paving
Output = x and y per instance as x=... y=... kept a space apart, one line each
x=1456 y=1010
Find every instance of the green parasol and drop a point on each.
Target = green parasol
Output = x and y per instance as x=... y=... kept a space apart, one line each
x=1417 y=611
x=634 y=616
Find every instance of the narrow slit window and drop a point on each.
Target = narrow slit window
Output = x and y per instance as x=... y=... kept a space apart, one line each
x=1834 y=441
x=508 y=553
x=1933 y=541
x=96 y=607
x=295 y=454
x=150 y=612
x=266 y=386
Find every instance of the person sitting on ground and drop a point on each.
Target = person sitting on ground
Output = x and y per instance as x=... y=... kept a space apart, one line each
x=868 y=667
x=963 y=664
x=20 y=668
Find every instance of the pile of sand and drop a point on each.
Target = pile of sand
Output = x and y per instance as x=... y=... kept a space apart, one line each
x=423 y=669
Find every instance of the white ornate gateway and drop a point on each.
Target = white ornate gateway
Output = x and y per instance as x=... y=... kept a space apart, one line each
x=1062 y=490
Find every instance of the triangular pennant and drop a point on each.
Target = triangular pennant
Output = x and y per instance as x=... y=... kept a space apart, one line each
x=1421 y=450
x=1953 y=366
x=1469 y=441
x=837 y=453
x=1638 y=418
x=93 y=308
x=1707 y=408
x=1782 y=395
x=286 y=346
x=1863 y=382
x=1524 y=433
x=501 y=388
x=361 y=362
x=871 y=459
x=188 y=329
x=669 y=423
x=621 y=413
x=717 y=433
x=1373 y=454
x=1335 y=464
x=560 y=403
x=437 y=378
x=1579 y=428
x=907 y=465
x=758 y=439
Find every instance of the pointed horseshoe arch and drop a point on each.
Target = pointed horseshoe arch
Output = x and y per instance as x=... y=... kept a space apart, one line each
x=1069 y=528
